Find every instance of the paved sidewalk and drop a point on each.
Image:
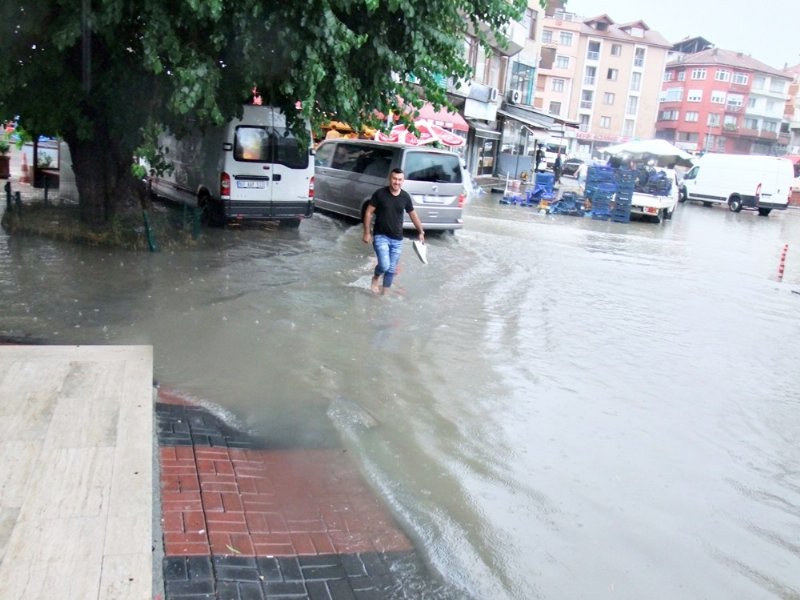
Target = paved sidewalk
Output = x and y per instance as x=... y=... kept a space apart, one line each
x=245 y=520
x=76 y=493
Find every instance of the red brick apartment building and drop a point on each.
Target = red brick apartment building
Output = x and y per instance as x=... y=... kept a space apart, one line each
x=718 y=100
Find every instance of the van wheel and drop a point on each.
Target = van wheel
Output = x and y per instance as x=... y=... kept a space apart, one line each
x=683 y=197
x=764 y=212
x=289 y=223
x=735 y=204
x=668 y=214
x=210 y=212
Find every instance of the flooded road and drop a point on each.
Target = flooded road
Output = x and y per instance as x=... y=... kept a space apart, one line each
x=554 y=407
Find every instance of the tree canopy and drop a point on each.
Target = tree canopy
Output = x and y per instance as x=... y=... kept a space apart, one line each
x=102 y=73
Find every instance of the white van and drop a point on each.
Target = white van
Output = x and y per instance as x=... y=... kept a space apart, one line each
x=251 y=168
x=741 y=181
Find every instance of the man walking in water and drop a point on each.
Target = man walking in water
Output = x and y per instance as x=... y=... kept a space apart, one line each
x=387 y=205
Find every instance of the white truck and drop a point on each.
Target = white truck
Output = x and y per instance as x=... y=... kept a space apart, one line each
x=251 y=168
x=659 y=203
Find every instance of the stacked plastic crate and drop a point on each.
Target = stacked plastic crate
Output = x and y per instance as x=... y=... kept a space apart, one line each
x=625 y=180
x=600 y=189
x=542 y=188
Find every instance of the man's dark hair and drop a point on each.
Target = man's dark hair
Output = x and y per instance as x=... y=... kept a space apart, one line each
x=397 y=170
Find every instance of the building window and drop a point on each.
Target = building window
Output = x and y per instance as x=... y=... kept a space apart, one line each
x=759 y=82
x=735 y=101
x=565 y=38
x=632 y=106
x=636 y=81
x=612 y=74
x=616 y=49
x=668 y=75
x=554 y=109
x=741 y=78
x=750 y=123
x=698 y=73
x=608 y=98
x=529 y=21
x=770 y=106
x=777 y=85
x=562 y=62
x=628 y=127
x=717 y=97
x=722 y=75
x=590 y=76
x=593 y=52
x=729 y=124
x=523 y=78
x=694 y=96
x=638 y=57
x=713 y=119
x=769 y=126
x=673 y=94
x=547 y=36
x=587 y=96
x=681 y=75
x=692 y=116
x=558 y=85
x=669 y=115
x=583 y=123
x=605 y=122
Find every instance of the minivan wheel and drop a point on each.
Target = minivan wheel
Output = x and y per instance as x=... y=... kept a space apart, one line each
x=764 y=212
x=735 y=204
x=211 y=213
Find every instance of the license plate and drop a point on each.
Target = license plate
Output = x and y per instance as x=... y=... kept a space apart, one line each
x=250 y=184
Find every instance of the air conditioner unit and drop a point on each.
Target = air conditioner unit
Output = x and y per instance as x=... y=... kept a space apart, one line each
x=514 y=96
x=492 y=94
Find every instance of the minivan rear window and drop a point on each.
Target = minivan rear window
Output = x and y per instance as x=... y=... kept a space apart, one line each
x=269 y=144
x=433 y=167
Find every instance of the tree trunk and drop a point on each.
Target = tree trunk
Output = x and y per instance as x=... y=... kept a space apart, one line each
x=103 y=178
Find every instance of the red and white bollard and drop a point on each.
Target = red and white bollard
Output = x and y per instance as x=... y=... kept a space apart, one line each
x=782 y=264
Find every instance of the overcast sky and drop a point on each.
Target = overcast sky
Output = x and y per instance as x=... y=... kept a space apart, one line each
x=767 y=30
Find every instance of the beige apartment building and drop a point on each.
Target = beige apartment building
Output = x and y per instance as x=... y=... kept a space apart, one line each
x=604 y=75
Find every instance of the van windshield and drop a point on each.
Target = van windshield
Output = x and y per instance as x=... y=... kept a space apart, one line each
x=433 y=167
x=269 y=144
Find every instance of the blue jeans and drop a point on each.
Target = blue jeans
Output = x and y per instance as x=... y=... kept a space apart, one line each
x=388 y=252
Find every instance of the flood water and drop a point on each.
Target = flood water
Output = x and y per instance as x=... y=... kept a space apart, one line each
x=554 y=407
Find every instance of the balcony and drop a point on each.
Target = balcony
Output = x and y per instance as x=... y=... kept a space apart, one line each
x=730 y=127
x=733 y=108
x=768 y=135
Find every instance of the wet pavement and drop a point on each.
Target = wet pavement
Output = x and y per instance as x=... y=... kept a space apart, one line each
x=244 y=519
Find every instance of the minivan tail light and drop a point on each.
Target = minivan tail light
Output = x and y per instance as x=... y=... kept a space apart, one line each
x=225 y=185
x=311 y=187
x=461 y=199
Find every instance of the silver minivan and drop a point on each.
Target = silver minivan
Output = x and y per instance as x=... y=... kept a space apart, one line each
x=347 y=172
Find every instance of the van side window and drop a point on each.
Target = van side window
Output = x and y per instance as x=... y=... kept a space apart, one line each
x=433 y=167
x=345 y=157
x=269 y=144
x=323 y=156
x=374 y=162
x=692 y=172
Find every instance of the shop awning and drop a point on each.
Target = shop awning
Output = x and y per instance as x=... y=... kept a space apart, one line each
x=533 y=119
x=482 y=130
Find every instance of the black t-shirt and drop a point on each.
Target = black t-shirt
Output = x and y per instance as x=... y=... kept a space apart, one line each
x=389 y=212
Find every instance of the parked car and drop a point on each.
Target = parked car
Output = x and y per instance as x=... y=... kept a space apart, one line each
x=571 y=166
x=349 y=171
